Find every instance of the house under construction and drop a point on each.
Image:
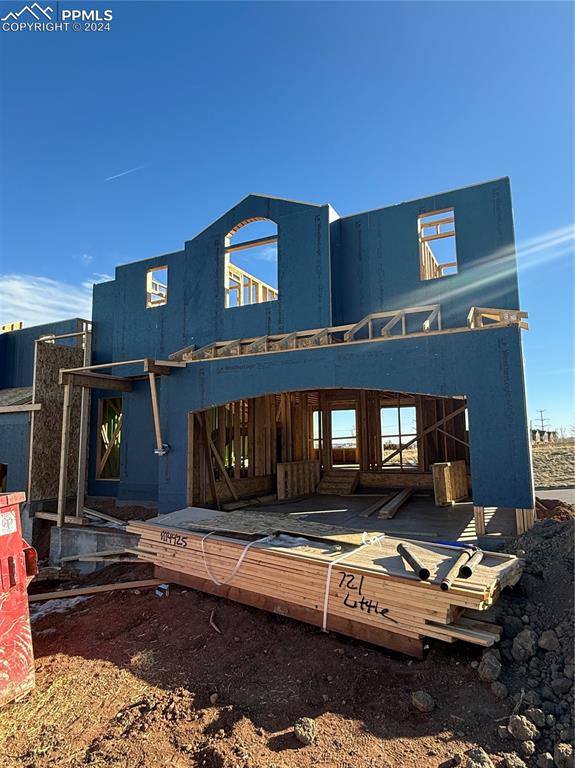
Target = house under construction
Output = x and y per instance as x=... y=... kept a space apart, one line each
x=199 y=383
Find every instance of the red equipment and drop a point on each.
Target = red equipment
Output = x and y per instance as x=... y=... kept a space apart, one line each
x=18 y=566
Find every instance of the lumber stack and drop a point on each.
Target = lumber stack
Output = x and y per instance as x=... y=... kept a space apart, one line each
x=321 y=574
x=297 y=478
x=449 y=482
x=339 y=482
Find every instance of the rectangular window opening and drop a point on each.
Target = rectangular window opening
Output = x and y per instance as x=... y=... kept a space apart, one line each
x=344 y=438
x=437 y=244
x=156 y=287
x=398 y=432
x=109 y=438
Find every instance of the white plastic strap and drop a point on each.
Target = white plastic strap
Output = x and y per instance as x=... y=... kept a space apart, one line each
x=366 y=543
x=237 y=565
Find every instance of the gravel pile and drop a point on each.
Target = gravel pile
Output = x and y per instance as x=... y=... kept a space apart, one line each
x=534 y=663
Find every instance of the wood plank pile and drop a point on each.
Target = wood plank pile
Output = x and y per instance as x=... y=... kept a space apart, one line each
x=387 y=506
x=297 y=478
x=449 y=482
x=352 y=583
x=340 y=482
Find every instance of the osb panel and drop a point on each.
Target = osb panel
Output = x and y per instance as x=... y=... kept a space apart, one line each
x=47 y=422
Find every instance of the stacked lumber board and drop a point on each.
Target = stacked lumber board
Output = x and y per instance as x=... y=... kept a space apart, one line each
x=449 y=482
x=323 y=575
x=297 y=478
x=339 y=482
x=387 y=506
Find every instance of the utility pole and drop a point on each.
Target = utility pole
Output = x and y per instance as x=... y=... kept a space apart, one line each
x=544 y=422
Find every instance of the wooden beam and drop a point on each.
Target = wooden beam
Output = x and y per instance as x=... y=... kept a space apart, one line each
x=64 y=450
x=141 y=584
x=325 y=417
x=20 y=408
x=237 y=439
x=251 y=244
x=150 y=366
x=156 y=413
x=208 y=457
x=97 y=381
x=83 y=436
x=190 y=462
x=68 y=519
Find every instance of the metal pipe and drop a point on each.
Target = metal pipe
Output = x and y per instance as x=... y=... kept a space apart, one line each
x=467 y=569
x=453 y=572
x=421 y=571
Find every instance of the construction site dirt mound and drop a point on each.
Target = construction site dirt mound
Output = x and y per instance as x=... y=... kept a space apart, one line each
x=536 y=655
x=554 y=509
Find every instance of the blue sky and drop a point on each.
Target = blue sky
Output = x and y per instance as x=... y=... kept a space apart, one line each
x=360 y=105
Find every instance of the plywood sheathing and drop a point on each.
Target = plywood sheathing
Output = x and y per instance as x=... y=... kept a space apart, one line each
x=46 y=429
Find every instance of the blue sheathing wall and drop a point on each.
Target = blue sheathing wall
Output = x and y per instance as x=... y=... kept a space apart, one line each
x=14 y=443
x=17 y=351
x=126 y=329
x=453 y=364
x=330 y=271
x=375 y=257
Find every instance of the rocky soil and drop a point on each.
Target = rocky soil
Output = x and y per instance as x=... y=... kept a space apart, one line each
x=533 y=668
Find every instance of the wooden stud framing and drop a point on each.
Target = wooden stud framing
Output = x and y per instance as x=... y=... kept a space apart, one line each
x=64 y=452
x=83 y=436
x=245 y=447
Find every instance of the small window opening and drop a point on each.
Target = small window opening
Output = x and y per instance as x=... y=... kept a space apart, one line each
x=251 y=263
x=109 y=438
x=157 y=287
x=398 y=432
x=344 y=438
x=437 y=244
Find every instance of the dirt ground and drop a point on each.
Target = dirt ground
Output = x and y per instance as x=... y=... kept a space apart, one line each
x=127 y=679
x=139 y=681
x=554 y=464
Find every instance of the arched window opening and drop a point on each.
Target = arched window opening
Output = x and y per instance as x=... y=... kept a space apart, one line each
x=251 y=268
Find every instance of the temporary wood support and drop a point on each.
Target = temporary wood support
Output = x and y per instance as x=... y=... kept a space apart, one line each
x=190 y=461
x=479 y=520
x=64 y=452
x=83 y=436
x=525 y=519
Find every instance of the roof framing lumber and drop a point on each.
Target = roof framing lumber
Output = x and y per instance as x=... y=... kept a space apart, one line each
x=97 y=381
